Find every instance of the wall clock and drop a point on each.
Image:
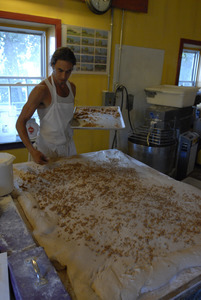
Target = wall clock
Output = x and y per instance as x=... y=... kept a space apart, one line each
x=99 y=6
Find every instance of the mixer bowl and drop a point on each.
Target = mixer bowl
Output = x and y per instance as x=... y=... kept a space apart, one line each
x=160 y=158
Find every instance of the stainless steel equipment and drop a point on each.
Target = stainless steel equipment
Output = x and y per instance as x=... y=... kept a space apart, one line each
x=153 y=146
x=155 y=157
x=156 y=142
x=179 y=119
x=187 y=150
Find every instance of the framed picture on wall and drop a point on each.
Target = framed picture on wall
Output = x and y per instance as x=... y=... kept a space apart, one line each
x=90 y=46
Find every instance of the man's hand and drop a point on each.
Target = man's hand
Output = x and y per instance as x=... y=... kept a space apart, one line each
x=39 y=157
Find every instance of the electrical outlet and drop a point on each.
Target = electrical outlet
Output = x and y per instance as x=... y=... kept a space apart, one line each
x=108 y=98
x=129 y=104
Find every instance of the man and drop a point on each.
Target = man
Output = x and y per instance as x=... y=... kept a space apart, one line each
x=54 y=100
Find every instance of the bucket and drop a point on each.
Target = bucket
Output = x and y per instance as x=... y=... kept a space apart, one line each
x=6 y=173
x=32 y=129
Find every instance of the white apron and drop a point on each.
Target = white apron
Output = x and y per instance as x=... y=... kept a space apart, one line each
x=56 y=137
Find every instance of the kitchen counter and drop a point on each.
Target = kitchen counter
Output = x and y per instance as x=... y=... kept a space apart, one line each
x=16 y=239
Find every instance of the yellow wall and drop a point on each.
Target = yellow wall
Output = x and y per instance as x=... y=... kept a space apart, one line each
x=161 y=28
x=20 y=154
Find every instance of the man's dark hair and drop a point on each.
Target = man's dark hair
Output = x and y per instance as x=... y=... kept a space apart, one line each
x=63 y=53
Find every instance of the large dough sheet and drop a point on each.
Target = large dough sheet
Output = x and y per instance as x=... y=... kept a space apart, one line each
x=124 y=230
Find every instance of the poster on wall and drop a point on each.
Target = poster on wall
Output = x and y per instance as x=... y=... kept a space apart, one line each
x=90 y=46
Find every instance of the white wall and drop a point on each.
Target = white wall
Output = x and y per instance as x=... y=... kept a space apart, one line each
x=139 y=68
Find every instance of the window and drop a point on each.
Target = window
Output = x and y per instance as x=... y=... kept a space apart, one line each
x=22 y=65
x=52 y=28
x=189 y=67
x=189 y=64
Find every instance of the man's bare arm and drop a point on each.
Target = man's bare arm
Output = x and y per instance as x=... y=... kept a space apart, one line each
x=36 y=99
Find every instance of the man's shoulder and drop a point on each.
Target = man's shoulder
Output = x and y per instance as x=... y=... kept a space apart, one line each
x=40 y=94
x=41 y=87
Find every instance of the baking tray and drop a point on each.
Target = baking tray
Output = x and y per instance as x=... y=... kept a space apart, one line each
x=97 y=117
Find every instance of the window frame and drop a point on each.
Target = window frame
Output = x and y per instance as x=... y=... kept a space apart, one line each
x=31 y=21
x=194 y=73
x=40 y=33
x=185 y=43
